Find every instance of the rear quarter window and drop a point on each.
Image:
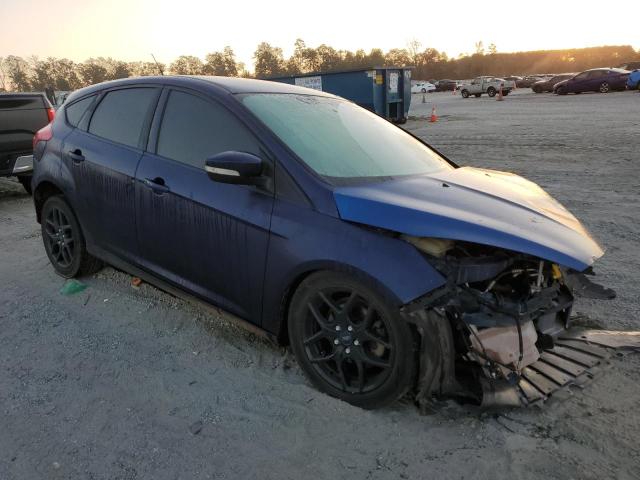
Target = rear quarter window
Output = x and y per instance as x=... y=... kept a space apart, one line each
x=121 y=115
x=76 y=110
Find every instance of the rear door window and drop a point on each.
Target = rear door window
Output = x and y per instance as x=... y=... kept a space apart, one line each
x=194 y=129
x=122 y=114
x=76 y=110
x=17 y=102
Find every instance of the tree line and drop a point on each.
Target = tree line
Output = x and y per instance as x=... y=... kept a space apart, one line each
x=35 y=74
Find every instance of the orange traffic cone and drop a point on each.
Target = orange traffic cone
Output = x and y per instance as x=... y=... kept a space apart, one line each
x=434 y=117
x=500 y=98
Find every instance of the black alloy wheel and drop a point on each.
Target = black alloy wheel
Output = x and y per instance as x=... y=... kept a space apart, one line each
x=349 y=342
x=604 y=87
x=59 y=236
x=63 y=240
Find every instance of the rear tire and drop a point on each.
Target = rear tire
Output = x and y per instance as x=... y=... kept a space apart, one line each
x=424 y=90
x=604 y=87
x=63 y=240
x=350 y=342
x=25 y=180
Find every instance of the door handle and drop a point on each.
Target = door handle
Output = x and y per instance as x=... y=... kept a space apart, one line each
x=76 y=155
x=156 y=184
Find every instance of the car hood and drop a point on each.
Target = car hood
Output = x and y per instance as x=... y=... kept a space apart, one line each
x=475 y=205
x=562 y=82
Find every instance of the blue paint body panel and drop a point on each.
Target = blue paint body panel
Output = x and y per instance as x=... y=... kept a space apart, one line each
x=480 y=206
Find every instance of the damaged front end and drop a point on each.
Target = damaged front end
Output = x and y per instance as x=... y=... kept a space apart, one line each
x=498 y=332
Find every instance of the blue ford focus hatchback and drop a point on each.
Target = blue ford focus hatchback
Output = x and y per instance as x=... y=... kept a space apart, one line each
x=387 y=268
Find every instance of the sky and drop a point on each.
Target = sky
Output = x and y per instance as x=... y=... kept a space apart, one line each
x=133 y=29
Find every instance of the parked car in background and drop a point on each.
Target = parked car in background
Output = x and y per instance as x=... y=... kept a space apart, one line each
x=548 y=84
x=601 y=80
x=446 y=85
x=633 y=82
x=527 y=81
x=630 y=66
x=21 y=116
x=513 y=78
x=287 y=206
x=61 y=96
x=423 y=87
x=489 y=85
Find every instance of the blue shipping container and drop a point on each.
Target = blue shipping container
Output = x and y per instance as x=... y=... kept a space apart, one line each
x=383 y=90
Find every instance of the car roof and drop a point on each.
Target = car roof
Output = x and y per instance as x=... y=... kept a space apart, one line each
x=614 y=69
x=230 y=84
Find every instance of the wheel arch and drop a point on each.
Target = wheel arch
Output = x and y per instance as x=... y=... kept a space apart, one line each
x=42 y=192
x=311 y=268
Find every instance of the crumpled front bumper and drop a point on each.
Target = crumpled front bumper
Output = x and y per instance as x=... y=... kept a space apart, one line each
x=576 y=357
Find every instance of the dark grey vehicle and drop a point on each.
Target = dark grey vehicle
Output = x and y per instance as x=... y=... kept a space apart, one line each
x=547 y=85
x=21 y=116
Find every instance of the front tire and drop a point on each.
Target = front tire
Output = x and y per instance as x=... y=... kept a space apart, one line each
x=63 y=240
x=424 y=90
x=350 y=342
x=604 y=87
x=464 y=93
x=491 y=92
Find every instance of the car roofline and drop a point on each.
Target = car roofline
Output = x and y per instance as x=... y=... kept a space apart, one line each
x=231 y=85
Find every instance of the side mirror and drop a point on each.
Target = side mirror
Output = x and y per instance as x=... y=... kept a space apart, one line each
x=235 y=167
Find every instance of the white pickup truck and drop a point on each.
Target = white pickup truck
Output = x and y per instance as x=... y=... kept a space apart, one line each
x=488 y=85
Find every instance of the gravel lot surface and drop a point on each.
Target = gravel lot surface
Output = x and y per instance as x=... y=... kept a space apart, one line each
x=118 y=382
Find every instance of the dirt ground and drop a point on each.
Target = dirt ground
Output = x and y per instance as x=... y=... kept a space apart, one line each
x=123 y=383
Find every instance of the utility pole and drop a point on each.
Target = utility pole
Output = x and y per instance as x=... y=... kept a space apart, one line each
x=3 y=85
x=157 y=65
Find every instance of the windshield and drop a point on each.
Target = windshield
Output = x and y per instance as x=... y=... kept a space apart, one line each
x=340 y=140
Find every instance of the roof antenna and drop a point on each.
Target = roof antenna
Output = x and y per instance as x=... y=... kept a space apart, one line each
x=157 y=65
